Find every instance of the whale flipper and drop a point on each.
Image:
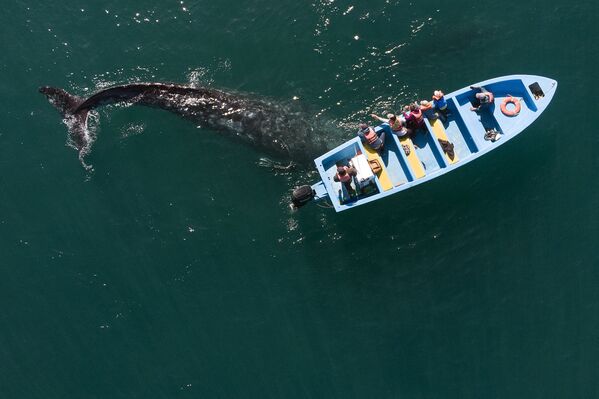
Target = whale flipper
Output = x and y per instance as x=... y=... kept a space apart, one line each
x=63 y=101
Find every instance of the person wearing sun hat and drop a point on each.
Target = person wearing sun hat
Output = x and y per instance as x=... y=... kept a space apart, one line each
x=427 y=110
x=394 y=122
x=440 y=104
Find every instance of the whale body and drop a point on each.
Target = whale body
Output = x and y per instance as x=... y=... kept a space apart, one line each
x=274 y=128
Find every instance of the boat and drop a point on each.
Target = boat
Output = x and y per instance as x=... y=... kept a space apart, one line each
x=438 y=148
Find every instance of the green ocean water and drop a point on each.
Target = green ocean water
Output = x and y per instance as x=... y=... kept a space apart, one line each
x=175 y=269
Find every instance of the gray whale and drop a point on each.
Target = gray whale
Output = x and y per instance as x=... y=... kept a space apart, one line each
x=272 y=127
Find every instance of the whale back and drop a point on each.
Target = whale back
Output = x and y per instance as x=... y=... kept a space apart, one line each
x=272 y=126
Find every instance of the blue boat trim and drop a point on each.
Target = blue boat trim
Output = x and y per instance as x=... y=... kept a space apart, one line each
x=464 y=128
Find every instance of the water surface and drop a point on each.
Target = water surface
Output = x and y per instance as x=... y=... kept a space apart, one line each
x=175 y=269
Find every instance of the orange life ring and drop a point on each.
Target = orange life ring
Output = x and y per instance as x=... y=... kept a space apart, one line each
x=510 y=100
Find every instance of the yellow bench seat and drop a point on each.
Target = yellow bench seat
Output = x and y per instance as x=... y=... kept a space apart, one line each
x=413 y=160
x=440 y=133
x=383 y=176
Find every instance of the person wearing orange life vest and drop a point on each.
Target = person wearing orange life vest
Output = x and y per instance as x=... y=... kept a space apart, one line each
x=369 y=136
x=482 y=98
x=394 y=123
x=345 y=175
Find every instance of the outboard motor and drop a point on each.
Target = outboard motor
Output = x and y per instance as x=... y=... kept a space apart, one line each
x=301 y=196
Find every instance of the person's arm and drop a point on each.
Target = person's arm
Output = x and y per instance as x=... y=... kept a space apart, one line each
x=384 y=120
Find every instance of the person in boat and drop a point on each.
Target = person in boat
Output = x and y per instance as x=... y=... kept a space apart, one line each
x=440 y=104
x=428 y=111
x=369 y=136
x=482 y=98
x=394 y=122
x=345 y=176
x=414 y=117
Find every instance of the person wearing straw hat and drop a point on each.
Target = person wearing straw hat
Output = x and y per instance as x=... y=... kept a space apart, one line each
x=427 y=110
x=440 y=105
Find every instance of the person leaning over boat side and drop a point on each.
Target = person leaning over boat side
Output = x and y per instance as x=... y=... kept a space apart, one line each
x=345 y=175
x=394 y=123
x=369 y=136
x=428 y=111
x=483 y=98
x=440 y=104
